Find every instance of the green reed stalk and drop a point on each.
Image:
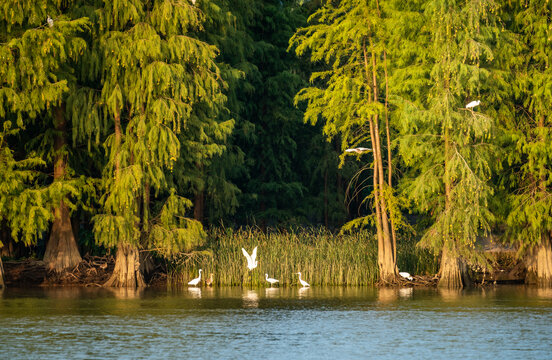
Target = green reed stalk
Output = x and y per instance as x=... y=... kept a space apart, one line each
x=324 y=258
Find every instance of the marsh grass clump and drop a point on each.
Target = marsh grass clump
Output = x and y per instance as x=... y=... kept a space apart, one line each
x=323 y=257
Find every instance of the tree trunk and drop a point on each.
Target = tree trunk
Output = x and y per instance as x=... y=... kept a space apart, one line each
x=326 y=198
x=199 y=206
x=2 y=285
x=453 y=272
x=62 y=251
x=127 y=268
x=389 y=159
x=387 y=264
x=539 y=265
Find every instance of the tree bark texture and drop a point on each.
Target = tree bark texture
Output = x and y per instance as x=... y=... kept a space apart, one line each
x=127 y=268
x=62 y=251
x=2 y=284
x=539 y=263
x=386 y=258
x=453 y=272
x=199 y=206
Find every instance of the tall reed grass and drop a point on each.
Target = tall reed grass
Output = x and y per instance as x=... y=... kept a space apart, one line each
x=323 y=258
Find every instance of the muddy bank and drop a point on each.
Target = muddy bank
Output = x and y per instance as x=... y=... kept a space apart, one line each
x=92 y=271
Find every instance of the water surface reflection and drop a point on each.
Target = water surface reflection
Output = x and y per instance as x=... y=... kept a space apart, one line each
x=274 y=323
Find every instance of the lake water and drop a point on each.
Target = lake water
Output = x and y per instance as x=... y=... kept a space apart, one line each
x=505 y=322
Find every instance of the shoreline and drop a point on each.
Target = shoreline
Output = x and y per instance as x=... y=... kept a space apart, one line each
x=94 y=271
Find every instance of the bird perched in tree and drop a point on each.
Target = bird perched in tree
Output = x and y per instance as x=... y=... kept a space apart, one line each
x=50 y=21
x=195 y=281
x=303 y=282
x=193 y=2
x=358 y=150
x=473 y=104
x=406 y=276
x=251 y=262
x=271 y=280
x=209 y=281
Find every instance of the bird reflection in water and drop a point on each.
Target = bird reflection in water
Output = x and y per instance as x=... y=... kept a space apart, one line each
x=194 y=292
x=303 y=292
x=250 y=299
x=272 y=292
x=406 y=292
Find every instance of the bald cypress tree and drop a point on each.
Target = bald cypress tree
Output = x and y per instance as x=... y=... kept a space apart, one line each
x=529 y=220
x=446 y=146
x=150 y=89
x=348 y=38
x=39 y=40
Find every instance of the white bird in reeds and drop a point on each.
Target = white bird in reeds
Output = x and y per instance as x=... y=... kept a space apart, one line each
x=406 y=276
x=195 y=281
x=50 y=21
x=251 y=262
x=271 y=280
x=303 y=282
x=358 y=150
x=473 y=104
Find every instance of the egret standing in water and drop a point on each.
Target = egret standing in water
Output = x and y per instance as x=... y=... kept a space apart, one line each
x=473 y=104
x=251 y=262
x=195 y=281
x=271 y=280
x=303 y=282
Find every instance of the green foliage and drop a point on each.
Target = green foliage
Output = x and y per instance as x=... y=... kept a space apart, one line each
x=36 y=73
x=24 y=206
x=323 y=258
x=445 y=146
x=530 y=133
x=154 y=94
x=184 y=234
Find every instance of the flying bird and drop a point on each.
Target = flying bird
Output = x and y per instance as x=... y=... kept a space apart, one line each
x=406 y=276
x=251 y=262
x=303 y=282
x=358 y=150
x=473 y=104
x=271 y=280
x=195 y=281
x=50 y=21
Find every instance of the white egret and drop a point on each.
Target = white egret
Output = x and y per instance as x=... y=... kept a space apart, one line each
x=303 y=282
x=50 y=21
x=195 y=281
x=271 y=280
x=406 y=276
x=251 y=262
x=473 y=104
x=358 y=150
